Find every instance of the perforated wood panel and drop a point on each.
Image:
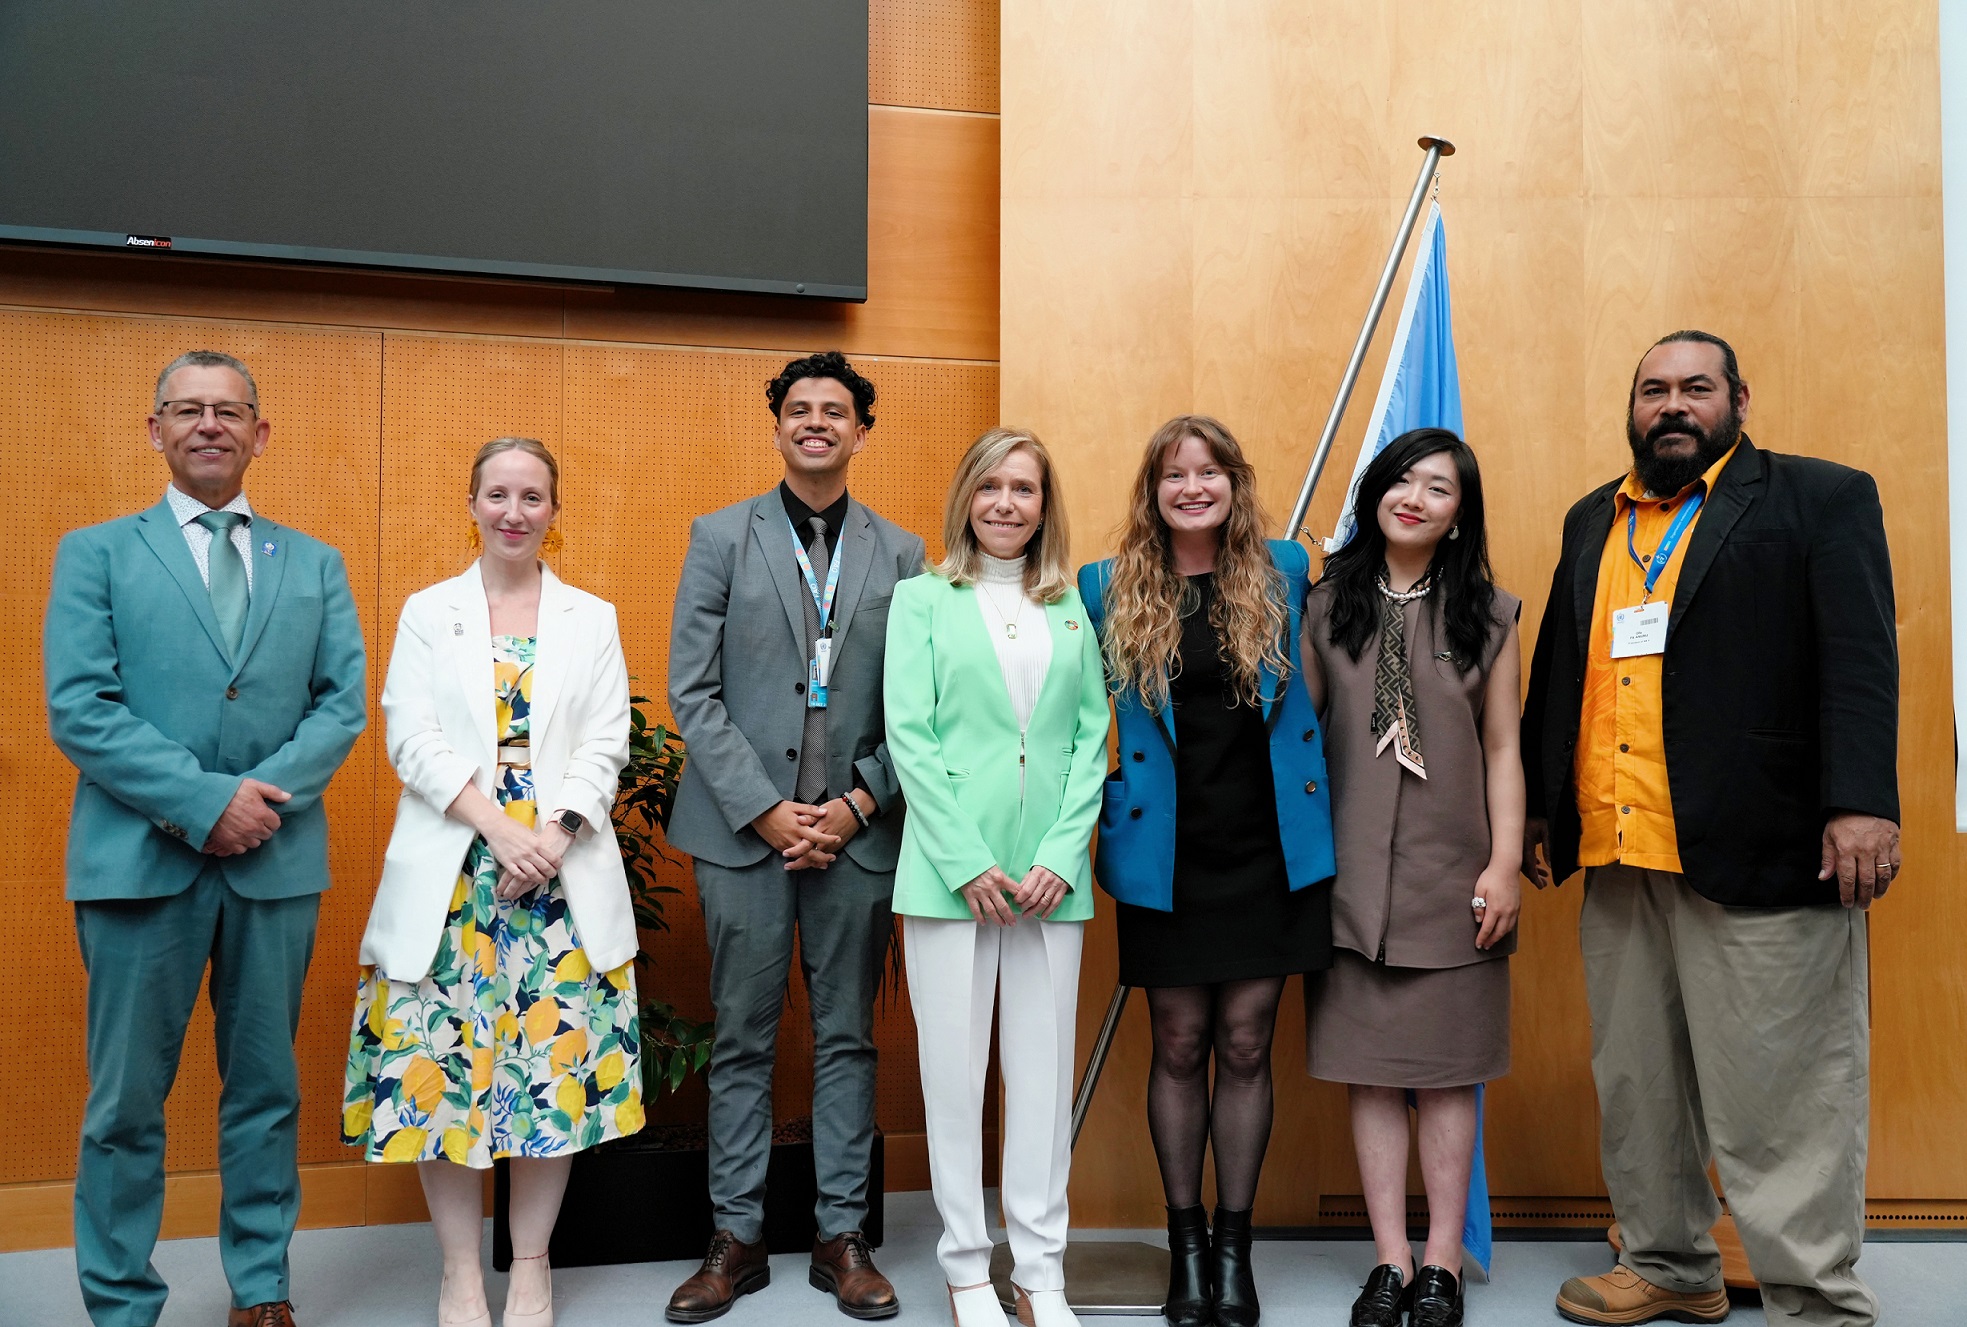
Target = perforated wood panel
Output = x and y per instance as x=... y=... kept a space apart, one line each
x=78 y=389
x=939 y=54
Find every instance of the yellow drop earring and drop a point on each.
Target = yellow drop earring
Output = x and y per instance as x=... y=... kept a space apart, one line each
x=553 y=542
x=475 y=540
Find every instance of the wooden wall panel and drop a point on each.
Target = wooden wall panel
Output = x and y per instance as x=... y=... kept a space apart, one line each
x=78 y=390
x=940 y=54
x=1197 y=199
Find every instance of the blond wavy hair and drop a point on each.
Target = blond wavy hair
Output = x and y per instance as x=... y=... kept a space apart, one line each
x=1047 y=554
x=1145 y=598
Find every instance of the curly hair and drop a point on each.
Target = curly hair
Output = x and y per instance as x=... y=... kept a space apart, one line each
x=826 y=364
x=1145 y=598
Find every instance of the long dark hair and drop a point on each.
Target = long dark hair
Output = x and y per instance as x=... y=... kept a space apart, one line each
x=1464 y=583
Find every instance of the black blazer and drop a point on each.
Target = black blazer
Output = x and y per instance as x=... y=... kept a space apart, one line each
x=1780 y=686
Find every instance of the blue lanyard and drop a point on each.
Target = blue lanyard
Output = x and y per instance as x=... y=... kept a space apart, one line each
x=1661 y=555
x=823 y=602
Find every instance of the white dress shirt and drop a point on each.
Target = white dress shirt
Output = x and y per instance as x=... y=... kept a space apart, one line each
x=188 y=509
x=1026 y=657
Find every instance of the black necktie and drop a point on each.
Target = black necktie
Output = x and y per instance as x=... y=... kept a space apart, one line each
x=811 y=783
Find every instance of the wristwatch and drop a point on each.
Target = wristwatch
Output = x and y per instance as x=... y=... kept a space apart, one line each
x=571 y=821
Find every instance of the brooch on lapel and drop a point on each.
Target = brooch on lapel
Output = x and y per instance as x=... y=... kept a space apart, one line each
x=269 y=548
x=1071 y=624
x=457 y=628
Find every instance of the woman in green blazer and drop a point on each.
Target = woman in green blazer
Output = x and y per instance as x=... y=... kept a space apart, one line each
x=996 y=719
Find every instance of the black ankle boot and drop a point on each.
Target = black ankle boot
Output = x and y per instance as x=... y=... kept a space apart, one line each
x=1191 y=1298
x=1236 y=1290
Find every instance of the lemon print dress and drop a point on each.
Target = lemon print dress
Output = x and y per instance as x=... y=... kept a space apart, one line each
x=511 y=1046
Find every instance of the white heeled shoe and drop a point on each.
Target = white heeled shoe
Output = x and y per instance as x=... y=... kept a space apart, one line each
x=976 y=1306
x=1043 y=1308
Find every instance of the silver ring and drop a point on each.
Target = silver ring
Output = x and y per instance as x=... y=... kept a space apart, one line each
x=1478 y=903
x=1885 y=866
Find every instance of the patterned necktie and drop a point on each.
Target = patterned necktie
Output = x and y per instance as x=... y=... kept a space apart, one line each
x=810 y=784
x=226 y=577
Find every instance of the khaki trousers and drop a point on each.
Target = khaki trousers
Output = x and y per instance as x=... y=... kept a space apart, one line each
x=1741 y=1035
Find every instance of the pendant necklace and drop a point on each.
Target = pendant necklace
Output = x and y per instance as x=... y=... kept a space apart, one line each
x=1010 y=623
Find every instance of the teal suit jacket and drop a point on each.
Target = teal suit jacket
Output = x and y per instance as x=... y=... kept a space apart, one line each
x=162 y=724
x=955 y=743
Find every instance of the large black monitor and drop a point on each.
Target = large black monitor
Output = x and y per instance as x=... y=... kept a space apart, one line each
x=719 y=144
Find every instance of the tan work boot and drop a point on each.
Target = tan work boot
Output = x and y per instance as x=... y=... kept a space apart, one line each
x=1623 y=1296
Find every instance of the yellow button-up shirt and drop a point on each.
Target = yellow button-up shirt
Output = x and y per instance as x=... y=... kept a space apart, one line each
x=1623 y=799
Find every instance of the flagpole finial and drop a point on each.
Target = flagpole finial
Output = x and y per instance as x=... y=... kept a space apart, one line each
x=1434 y=141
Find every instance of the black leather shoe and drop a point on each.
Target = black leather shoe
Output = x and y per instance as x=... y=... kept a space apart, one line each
x=1191 y=1293
x=1384 y=1299
x=1437 y=1298
x=1236 y=1290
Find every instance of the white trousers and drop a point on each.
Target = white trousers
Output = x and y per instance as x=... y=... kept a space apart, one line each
x=954 y=968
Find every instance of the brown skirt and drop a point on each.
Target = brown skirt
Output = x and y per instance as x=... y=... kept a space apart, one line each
x=1407 y=1027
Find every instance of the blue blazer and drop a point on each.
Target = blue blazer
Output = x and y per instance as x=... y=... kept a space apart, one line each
x=162 y=723
x=1135 y=860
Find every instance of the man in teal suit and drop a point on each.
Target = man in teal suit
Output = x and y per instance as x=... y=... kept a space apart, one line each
x=205 y=674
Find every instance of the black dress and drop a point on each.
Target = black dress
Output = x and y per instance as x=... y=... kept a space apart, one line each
x=1235 y=915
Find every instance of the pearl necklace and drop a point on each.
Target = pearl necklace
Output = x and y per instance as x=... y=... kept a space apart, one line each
x=1417 y=591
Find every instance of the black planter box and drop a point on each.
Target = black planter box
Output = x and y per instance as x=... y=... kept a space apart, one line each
x=646 y=1198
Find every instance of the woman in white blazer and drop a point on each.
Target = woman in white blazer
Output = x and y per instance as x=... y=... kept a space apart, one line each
x=497 y=1010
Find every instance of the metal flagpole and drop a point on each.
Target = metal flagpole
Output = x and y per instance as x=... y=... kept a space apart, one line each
x=1437 y=148
x=1126 y=1276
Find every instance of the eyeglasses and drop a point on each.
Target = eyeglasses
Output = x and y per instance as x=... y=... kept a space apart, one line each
x=232 y=414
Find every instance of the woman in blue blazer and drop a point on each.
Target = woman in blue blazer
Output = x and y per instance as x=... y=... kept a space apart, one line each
x=1215 y=830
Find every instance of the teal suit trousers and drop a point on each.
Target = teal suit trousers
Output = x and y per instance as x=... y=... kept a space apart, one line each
x=145 y=959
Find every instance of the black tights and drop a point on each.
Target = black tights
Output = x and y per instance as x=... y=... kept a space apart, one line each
x=1234 y=1020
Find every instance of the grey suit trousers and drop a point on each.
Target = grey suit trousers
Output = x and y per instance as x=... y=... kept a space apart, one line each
x=1741 y=1035
x=844 y=926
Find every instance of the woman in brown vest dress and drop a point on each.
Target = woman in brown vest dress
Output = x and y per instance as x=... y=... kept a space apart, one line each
x=1412 y=657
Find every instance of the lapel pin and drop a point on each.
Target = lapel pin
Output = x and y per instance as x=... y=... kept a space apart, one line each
x=269 y=548
x=457 y=628
x=1071 y=624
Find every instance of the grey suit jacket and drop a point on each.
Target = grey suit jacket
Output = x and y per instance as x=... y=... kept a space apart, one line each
x=737 y=673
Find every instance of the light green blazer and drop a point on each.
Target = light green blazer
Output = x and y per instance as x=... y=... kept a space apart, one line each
x=955 y=746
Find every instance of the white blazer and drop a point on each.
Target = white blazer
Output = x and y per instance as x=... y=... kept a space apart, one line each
x=441 y=717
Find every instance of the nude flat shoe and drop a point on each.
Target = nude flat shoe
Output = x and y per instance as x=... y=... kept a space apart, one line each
x=544 y=1318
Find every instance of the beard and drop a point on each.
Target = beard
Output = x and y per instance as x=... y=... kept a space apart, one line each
x=1666 y=475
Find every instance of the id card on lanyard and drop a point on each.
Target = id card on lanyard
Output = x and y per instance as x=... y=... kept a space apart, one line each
x=1641 y=630
x=819 y=669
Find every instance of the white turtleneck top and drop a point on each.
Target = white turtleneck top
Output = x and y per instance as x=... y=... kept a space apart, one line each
x=1024 y=658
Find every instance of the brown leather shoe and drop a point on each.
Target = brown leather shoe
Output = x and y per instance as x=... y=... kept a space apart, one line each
x=277 y=1314
x=844 y=1267
x=731 y=1268
x=1624 y=1296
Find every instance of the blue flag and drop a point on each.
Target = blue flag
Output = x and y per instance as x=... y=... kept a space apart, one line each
x=1423 y=389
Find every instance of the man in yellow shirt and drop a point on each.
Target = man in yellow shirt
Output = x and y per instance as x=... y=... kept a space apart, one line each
x=1711 y=733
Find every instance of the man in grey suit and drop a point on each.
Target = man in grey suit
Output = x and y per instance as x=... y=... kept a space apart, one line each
x=205 y=674
x=790 y=806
